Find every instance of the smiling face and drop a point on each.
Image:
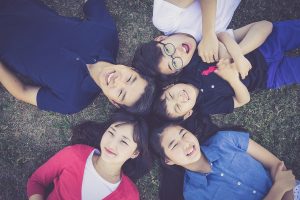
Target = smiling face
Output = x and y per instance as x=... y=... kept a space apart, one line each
x=180 y=100
x=117 y=144
x=121 y=84
x=180 y=146
x=177 y=51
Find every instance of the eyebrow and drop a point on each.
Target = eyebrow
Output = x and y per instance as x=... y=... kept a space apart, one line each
x=133 y=80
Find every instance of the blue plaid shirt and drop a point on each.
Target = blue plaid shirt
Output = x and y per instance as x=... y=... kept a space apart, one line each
x=235 y=174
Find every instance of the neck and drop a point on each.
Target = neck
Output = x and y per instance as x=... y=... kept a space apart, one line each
x=202 y=165
x=96 y=69
x=108 y=171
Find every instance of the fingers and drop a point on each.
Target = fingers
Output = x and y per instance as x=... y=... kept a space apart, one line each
x=279 y=167
x=208 y=56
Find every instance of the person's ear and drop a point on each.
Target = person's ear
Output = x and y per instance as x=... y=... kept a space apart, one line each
x=188 y=114
x=114 y=103
x=135 y=154
x=169 y=162
x=160 y=38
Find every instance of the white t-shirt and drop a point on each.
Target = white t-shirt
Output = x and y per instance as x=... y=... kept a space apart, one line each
x=169 y=18
x=94 y=187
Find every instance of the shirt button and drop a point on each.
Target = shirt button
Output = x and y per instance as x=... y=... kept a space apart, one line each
x=239 y=183
x=77 y=58
x=212 y=86
x=201 y=90
x=254 y=191
x=222 y=174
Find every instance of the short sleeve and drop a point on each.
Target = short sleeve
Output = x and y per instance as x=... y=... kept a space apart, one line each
x=49 y=101
x=166 y=16
x=96 y=10
x=236 y=139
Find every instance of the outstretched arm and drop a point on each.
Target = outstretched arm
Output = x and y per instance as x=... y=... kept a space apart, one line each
x=283 y=180
x=208 y=46
x=14 y=86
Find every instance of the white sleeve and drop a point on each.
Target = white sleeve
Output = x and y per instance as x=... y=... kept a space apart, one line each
x=166 y=16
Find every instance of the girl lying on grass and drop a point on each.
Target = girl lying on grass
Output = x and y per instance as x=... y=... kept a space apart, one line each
x=228 y=165
x=94 y=167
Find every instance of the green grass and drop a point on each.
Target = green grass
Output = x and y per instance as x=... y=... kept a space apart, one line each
x=28 y=137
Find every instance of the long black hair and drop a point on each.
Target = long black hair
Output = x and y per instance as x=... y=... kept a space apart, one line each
x=90 y=133
x=171 y=184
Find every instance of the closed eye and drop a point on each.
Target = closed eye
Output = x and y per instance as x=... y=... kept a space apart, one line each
x=129 y=79
x=174 y=146
x=123 y=141
x=111 y=133
x=120 y=93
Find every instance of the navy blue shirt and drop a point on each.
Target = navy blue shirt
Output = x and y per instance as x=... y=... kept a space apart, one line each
x=53 y=50
x=235 y=174
x=215 y=94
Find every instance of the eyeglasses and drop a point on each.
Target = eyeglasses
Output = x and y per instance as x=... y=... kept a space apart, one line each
x=170 y=50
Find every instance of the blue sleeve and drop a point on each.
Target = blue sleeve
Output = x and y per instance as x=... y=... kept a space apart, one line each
x=96 y=10
x=226 y=139
x=49 y=101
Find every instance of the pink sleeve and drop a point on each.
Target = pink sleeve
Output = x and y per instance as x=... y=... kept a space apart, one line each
x=45 y=174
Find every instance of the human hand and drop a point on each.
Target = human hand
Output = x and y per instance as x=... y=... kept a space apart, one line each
x=243 y=66
x=208 y=48
x=227 y=70
x=284 y=179
x=273 y=170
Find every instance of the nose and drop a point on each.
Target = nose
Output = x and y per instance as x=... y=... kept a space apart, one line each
x=179 y=50
x=112 y=145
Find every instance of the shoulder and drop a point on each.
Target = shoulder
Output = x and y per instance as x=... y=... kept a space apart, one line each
x=223 y=139
x=77 y=151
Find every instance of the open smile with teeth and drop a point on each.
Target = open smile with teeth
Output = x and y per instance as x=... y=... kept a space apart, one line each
x=191 y=151
x=186 y=48
x=184 y=95
x=109 y=77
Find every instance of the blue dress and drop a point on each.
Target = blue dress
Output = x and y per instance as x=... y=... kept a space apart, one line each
x=53 y=50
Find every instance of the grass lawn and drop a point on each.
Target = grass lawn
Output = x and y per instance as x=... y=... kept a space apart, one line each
x=28 y=137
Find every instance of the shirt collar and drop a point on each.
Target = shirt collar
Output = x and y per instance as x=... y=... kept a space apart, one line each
x=196 y=178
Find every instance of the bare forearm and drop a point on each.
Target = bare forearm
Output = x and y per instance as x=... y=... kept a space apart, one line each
x=241 y=92
x=208 y=9
x=232 y=47
x=275 y=193
x=15 y=87
x=36 y=197
x=256 y=36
